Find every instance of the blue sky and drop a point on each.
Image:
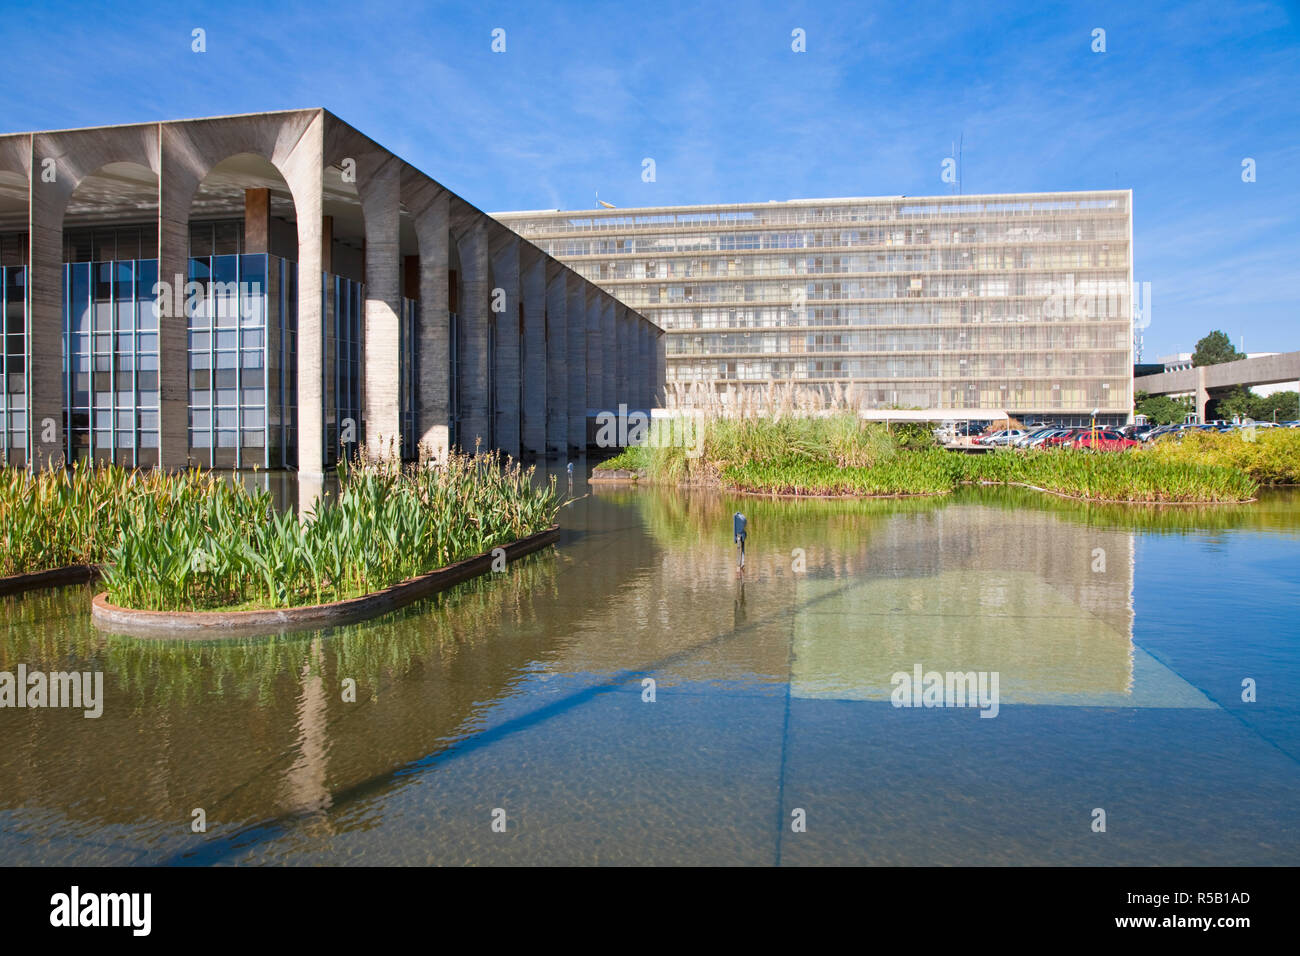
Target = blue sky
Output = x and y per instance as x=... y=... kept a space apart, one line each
x=715 y=95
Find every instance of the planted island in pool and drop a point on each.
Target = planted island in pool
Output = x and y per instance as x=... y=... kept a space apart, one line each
x=841 y=455
x=231 y=550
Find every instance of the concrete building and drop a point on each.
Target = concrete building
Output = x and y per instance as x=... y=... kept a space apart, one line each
x=1018 y=302
x=277 y=289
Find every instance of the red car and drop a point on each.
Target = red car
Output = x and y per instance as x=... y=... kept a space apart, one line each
x=1104 y=439
x=1065 y=439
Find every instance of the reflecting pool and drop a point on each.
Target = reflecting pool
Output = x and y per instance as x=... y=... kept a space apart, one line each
x=630 y=697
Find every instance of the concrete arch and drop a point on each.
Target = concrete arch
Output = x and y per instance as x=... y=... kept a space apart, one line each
x=59 y=163
x=293 y=143
x=237 y=378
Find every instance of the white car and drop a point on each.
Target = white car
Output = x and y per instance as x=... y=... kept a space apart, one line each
x=1004 y=437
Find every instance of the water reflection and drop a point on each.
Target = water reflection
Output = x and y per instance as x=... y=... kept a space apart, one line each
x=526 y=688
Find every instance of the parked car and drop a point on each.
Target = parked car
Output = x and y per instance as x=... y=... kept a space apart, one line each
x=998 y=438
x=1103 y=439
x=1062 y=438
x=1160 y=431
x=1034 y=433
x=1039 y=439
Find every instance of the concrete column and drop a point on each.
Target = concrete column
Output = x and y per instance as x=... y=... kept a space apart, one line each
x=304 y=170
x=557 y=379
x=534 y=359
x=577 y=334
x=381 y=406
x=45 y=308
x=257 y=221
x=474 y=318
x=609 y=364
x=1202 y=393
x=433 y=370
x=505 y=278
x=173 y=336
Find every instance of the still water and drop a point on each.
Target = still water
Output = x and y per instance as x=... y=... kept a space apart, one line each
x=1120 y=637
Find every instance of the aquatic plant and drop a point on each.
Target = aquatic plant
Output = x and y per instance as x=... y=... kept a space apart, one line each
x=230 y=548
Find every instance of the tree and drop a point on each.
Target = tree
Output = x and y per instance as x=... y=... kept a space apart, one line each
x=1215 y=349
x=1284 y=405
x=1160 y=409
x=1235 y=402
x=1241 y=402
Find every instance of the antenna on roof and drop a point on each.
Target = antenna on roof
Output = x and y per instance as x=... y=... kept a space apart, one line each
x=960 y=141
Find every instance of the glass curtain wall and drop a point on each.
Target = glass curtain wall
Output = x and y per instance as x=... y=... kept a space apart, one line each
x=344 y=320
x=13 y=365
x=242 y=312
x=110 y=337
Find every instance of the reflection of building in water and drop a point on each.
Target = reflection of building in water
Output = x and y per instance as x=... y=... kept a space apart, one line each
x=1042 y=598
x=250 y=730
x=1044 y=601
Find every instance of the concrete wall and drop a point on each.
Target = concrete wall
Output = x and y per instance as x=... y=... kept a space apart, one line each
x=534 y=365
x=557 y=367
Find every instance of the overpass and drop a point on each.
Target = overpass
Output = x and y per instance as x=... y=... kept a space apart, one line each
x=1264 y=370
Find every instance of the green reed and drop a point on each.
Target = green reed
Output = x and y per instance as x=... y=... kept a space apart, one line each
x=59 y=517
x=1081 y=474
x=1271 y=456
x=232 y=549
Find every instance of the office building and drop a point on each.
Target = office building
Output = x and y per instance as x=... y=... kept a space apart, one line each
x=1002 y=303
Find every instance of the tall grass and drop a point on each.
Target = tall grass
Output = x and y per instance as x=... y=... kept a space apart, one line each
x=838 y=453
x=842 y=438
x=1270 y=456
x=1111 y=476
x=59 y=517
x=232 y=549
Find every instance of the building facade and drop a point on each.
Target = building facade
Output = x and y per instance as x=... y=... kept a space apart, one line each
x=1018 y=303
x=278 y=290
